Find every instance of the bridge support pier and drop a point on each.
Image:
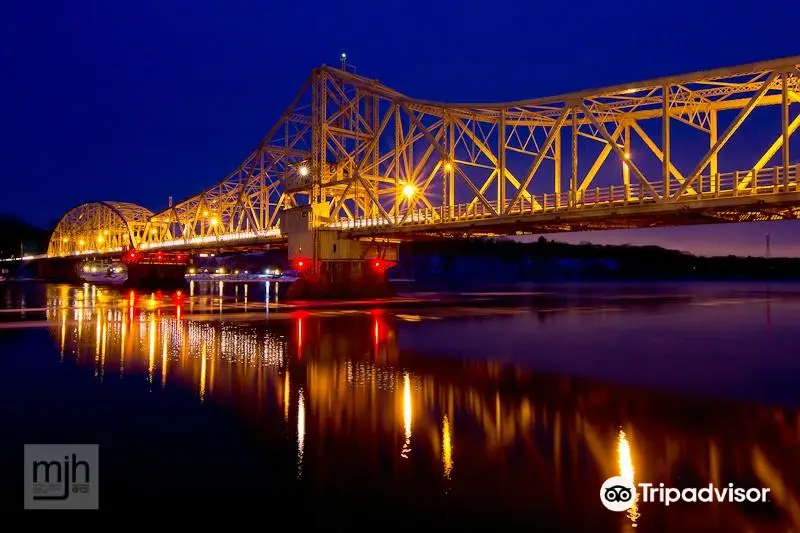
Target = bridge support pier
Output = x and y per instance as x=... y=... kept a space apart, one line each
x=340 y=280
x=331 y=265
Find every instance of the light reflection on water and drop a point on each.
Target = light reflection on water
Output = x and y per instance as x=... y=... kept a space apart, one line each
x=491 y=436
x=626 y=470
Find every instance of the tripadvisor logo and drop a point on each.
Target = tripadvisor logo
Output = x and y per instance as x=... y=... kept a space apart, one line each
x=618 y=493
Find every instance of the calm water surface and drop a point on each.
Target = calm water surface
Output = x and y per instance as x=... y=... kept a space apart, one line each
x=501 y=412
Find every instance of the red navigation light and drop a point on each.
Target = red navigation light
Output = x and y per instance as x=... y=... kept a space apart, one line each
x=301 y=263
x=131 y=256
x=381 y=265
x=178 y=294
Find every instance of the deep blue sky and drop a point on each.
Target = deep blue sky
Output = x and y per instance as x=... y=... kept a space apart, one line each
x=137 y=101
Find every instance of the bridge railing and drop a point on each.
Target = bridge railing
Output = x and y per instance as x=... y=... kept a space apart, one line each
x=213 y=239
x=757 y=182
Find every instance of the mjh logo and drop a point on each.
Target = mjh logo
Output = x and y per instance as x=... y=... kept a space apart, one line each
x=618 y=494
x=61 y=476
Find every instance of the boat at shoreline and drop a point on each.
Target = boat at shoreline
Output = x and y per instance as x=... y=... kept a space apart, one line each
x=223 y=274
x=262 y=278
x=103 y=273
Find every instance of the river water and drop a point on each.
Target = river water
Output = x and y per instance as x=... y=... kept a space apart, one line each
x=500 y=409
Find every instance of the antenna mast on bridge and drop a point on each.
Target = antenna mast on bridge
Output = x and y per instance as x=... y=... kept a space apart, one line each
x=345 y=66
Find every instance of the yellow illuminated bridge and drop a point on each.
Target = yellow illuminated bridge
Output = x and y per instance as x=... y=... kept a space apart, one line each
x=711 y=146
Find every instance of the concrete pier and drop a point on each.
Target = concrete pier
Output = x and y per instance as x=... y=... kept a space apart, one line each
x=333 y=266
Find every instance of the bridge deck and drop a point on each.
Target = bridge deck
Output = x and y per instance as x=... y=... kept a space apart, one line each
x=730 y=197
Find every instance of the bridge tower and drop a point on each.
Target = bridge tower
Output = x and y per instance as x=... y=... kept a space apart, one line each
x=339 y=176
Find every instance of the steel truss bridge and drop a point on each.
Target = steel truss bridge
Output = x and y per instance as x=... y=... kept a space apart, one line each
x=711 y=146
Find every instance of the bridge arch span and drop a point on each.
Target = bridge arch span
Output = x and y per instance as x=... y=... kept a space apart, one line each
x=99 y=228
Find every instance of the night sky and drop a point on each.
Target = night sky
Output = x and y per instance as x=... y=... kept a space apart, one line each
x=137 y=101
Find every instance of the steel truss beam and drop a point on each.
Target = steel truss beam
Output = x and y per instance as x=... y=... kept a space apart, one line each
x=99 y=228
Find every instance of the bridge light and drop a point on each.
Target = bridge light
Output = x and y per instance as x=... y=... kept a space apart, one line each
x=105 y=232
x=153 y=231
x=81 y=242
x=100 y=239
x=214 y=221
x=448 y=166
x=409 y=191
x=300 y=264
x=205 y=213
x=303 y=170
x=381 y=265
x=627 y=155
x=65 y=239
